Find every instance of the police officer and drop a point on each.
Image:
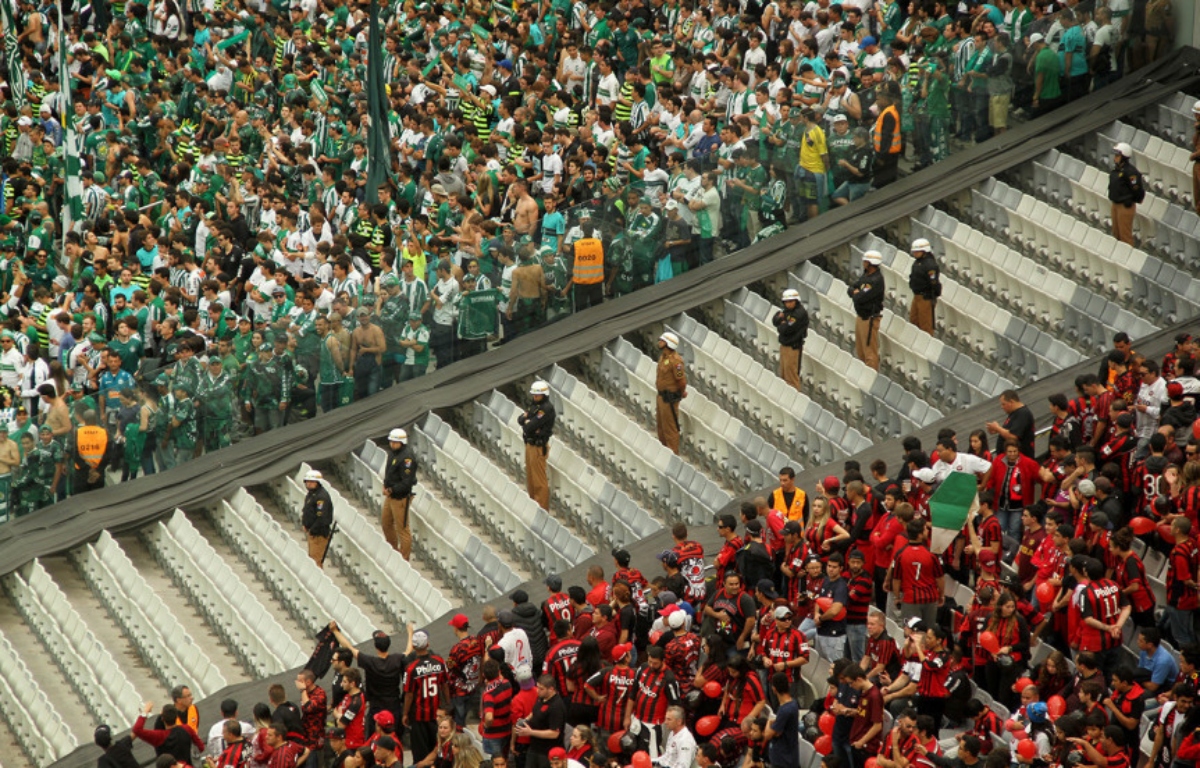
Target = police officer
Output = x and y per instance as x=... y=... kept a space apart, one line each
x=1125 y=191
x=317 y=516
x=399 y=478
x=792 y=322
x=867 y=294
x=537 y=423
x=671 y=383
x=925 y=282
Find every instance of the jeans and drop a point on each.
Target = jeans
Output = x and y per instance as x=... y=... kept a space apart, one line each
x=808 y=628
x=1010 y=522
x=460 y=705
x=831 y=648
x=1181 y=625
x=494 y=747
x=856 y=637
x=851 y=191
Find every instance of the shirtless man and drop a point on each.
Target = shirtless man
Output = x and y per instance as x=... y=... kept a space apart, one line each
x=525 y=217
x=527 y=300
x=367 y=345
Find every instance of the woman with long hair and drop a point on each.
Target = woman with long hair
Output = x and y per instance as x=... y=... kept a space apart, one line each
x=466 y=754
x=581 y=745
x=977 y=445
x=1012 y=633
x=822 y=531
x=588 y=661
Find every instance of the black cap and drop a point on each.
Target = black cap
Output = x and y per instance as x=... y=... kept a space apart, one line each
x=102 y=736
x=791 y=527
x=336 y=733
x=386 y=742
x=767 y=587
x=621 y=556
x=754 y=526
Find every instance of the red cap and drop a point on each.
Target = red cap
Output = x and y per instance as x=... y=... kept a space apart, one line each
x=558 y=753
x=669 y=609
x=620 y=649
x=986 y=557
x=384 y=718
x=459 y=621
x=831 y=483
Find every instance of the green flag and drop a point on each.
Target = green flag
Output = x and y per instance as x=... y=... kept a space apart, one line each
x=379 y=156
x=12 y=57
x=949 y=507
x=478 y=314
x=72 y=183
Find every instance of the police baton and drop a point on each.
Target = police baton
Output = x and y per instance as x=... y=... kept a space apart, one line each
x=332 y=530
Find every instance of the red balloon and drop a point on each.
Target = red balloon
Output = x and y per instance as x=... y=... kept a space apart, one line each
x=824 y=745
x=824 y=603
x=1021 y=685
x=1141 y=525
x=614 y=742
x=826 y=722
x=713 y=690
x=1046 y=592
x=641 y=759
x=707 y=726
x=1166 y=533
x=989 y=643
x=870 y=763
x=1055 y=706
x=1027 y=749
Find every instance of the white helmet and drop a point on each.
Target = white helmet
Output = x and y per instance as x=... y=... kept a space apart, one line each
x=670 y=339
x=873 y=257
x=539 y=387
x=398 y=436
x=791 y=294
x=921 y=244
x=1123 y=149
x=313 y=476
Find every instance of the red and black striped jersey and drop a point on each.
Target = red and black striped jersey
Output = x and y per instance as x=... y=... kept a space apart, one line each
x=558 y=606
x=682 y=655
x=794 y=559
x=781 y=647
x=744 y=693
x=559 y=660
x=614 y=684
x=934 y=671
x=882 y=650
x=1100 y=600
x=1129 y=570
x=1182 y=567
x=424 y=683
x=497 y=699
x=656 y=689
x=861 y=591
x=350 y=715
x=918 y=571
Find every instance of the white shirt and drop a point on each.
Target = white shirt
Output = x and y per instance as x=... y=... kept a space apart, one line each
x=517 y=651
x=680 y=751
x=215 y=744
x=1152 y=396
x=963 y=462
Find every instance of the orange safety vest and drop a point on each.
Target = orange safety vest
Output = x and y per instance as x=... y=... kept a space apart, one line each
x=589 y=261
x=895 y=147
x=796 y=511
x=91 y=443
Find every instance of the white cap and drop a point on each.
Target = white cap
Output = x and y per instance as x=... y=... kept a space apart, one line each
x=1037 y=37
x=925 y=475
x=873 y=257
x=313 y=476
x=539 y=387
x=488 y=89
x=398 y=436
x=672 y=205
x=676 y=619
x=23 y=120
x=791 y=294
x=921 y=244
x=783 y=612
x=420 y=639
x=670 y=339
x=1196 y=108
x=1123 y=149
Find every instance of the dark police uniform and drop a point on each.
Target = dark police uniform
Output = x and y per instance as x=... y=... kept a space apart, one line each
x=399 y=479
x=1125 y=191
x=317 y=519
x=537 y=423
x=867 y=293
x=925 y=282
x=792 y=325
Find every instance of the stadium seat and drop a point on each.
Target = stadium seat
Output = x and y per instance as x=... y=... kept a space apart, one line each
x=40 y=729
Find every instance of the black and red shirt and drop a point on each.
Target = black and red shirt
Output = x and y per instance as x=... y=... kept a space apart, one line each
x=918 y=571
x=882 y=650
x=350 y=715
x=312 y=718
x=1128 y=570
x=424 y=682
x=727 y=557
x=463 y=668
x=614 y=684
x=559 y=660
x=1118 y=449
x=1183 y=566
x=558 y=606
x=934 y=671
x=745 y=692
x=497 y=699
x=1100 y=600
x=654 y=691
x=794 y=559
x=777 y=647
x=682 y=655
x=986 y=723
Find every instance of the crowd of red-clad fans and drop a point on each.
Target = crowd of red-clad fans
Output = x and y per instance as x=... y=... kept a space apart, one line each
x=1057 y=628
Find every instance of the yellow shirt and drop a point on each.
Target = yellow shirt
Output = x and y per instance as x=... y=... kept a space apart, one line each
x=813 y=149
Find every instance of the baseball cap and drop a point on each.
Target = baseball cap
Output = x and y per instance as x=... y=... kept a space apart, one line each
x=1087 y=487
x=783 y=612
x=102 y=736
x=754 y=526
x=621 y=556
x=384 y=719
x=986 y=557
x=791 y=527
x=925 y=475
x=386 y=743
x=840 y=118
x=338 y=734
x=916 y=625
x=1099 y=519
x=868 y=41
x=667 y=610
x=669 y=557
x=558 y=753
x=766 y=586
x=1037 y=37
x=459 y=621
x=856 y=555
x=831 y=483
x=620 y=650
x=420 y=639
x=676 y=619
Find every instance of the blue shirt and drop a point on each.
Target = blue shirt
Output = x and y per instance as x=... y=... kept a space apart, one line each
x=784 y=749
x=110 y=386
x=1075 y=43
x=1162 y=665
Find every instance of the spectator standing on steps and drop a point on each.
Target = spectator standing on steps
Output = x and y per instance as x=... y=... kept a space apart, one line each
x=317 y=516
x=399 y=478
x=925 y=282
x=383 y=673
x=867 y=294
x=1125 y=191
x=792 y=323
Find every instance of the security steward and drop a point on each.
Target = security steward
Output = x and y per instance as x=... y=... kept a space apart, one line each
x=671 y=384
x=792 y=323
x=399 y=479
x=317 y=516
x=867 y=293
x=537 y=423
x=91 y=454
x=1125 y=191
x=925 y=282
x=587 y=271
x=888 y=140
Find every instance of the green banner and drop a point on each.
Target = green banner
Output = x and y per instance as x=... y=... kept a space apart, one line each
x=478 y=314
x=949 y=507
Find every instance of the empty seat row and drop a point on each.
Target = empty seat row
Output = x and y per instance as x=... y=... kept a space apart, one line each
x=460 y=557
x=1132 y=277
x=363 y=555
x=1056 y=303
x=40 y=729
x=883 y=406
x=496 y=503
x=1165 y=166
x=1005 y=341
x=284 y=566
x=149 y=624
x=235 y=615
x=710 y=435
x=579 y=490
x=1172 y=118
x=907 y=353
x=605 y=437
x=761 y=398
x=85 y=661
